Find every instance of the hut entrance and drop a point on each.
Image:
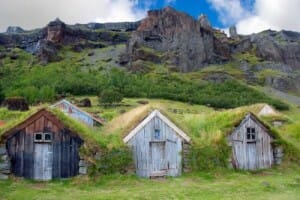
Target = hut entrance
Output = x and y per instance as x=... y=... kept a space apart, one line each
x=251 y=148
x=157 y=156
x=251 y=155
x=43 y=156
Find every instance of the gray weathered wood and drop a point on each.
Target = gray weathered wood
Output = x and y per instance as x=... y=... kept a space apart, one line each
x=157 y=155
x=251 y=155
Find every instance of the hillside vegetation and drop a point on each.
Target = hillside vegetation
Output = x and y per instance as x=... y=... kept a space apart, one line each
x=79 y=74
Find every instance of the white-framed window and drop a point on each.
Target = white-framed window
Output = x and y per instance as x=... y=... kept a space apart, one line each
x=43 y=137
x=251 y=134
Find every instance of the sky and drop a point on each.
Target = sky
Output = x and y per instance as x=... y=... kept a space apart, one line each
x=249 y=16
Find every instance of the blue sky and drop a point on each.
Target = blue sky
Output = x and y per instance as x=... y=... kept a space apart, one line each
x=195 y=8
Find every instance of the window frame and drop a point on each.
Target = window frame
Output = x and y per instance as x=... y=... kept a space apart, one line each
x=43 y=137
x=251 y=134
x=38 y=140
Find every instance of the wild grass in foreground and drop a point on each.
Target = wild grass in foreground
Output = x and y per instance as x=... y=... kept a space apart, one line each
x=220 y=184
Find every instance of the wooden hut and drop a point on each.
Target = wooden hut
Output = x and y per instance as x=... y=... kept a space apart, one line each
x=267 y=110
x=42 y=147
x=251 y=144
x=77 y=113
x=157 y=146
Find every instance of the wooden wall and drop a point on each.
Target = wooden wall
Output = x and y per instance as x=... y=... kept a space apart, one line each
x=65 y=146
x=144 y=140
x=262 y=153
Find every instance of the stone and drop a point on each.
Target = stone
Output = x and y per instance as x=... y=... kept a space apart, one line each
x=3 y=176
x=2 y=150
x=277 y=123
x=83 y=170
x=233 y=32
x=82 y=163
x=4 y=157
x=4 y=166
x=7 y=172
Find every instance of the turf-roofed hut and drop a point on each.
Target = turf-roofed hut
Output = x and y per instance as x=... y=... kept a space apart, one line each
x=251 y=143
x=78 y=114
x=42 y=147
x=158 y=146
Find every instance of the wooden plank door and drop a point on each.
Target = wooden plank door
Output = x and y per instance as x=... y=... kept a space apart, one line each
x=158 y=157
x=251 y=156
x=43 y=161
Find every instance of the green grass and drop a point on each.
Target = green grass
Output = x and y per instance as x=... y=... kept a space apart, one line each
x=272 y=184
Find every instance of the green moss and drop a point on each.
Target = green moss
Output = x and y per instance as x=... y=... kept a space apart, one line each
x=249 y=57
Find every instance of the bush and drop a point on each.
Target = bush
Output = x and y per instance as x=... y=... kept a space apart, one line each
x=110 y=96
x=206 y=157
x=116 y=160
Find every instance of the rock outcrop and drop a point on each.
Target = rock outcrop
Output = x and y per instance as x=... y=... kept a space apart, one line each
x=184 y=42
x=14 y=30
x=282 y=47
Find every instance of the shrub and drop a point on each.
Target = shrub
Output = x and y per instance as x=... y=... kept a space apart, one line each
x=110 y=96
x=116 y=160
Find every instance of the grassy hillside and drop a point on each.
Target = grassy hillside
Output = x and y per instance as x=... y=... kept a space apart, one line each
x=91 y=71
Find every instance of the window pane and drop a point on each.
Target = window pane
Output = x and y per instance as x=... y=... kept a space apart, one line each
x=253 y=130
x=38 y=136
x=47 y=136
x=248 y=137
x=253 y=136
x=248 y=130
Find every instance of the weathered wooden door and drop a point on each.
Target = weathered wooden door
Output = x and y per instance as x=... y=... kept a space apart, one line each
x=158 y=157
x=43 y=161
x=251 y=155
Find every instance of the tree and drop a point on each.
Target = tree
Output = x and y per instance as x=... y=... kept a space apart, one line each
x=110 y=96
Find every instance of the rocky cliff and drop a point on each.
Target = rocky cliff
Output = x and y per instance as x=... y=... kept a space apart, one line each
x=173 y=39
x=183 y=41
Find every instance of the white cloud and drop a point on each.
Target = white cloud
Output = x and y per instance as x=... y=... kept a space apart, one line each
x=229 y=10
x=37 y=13
x=266 y=14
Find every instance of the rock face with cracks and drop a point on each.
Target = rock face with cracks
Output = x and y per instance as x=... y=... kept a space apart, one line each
x=184 y=42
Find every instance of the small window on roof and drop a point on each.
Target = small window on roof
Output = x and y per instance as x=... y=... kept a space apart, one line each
x=157 y=134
